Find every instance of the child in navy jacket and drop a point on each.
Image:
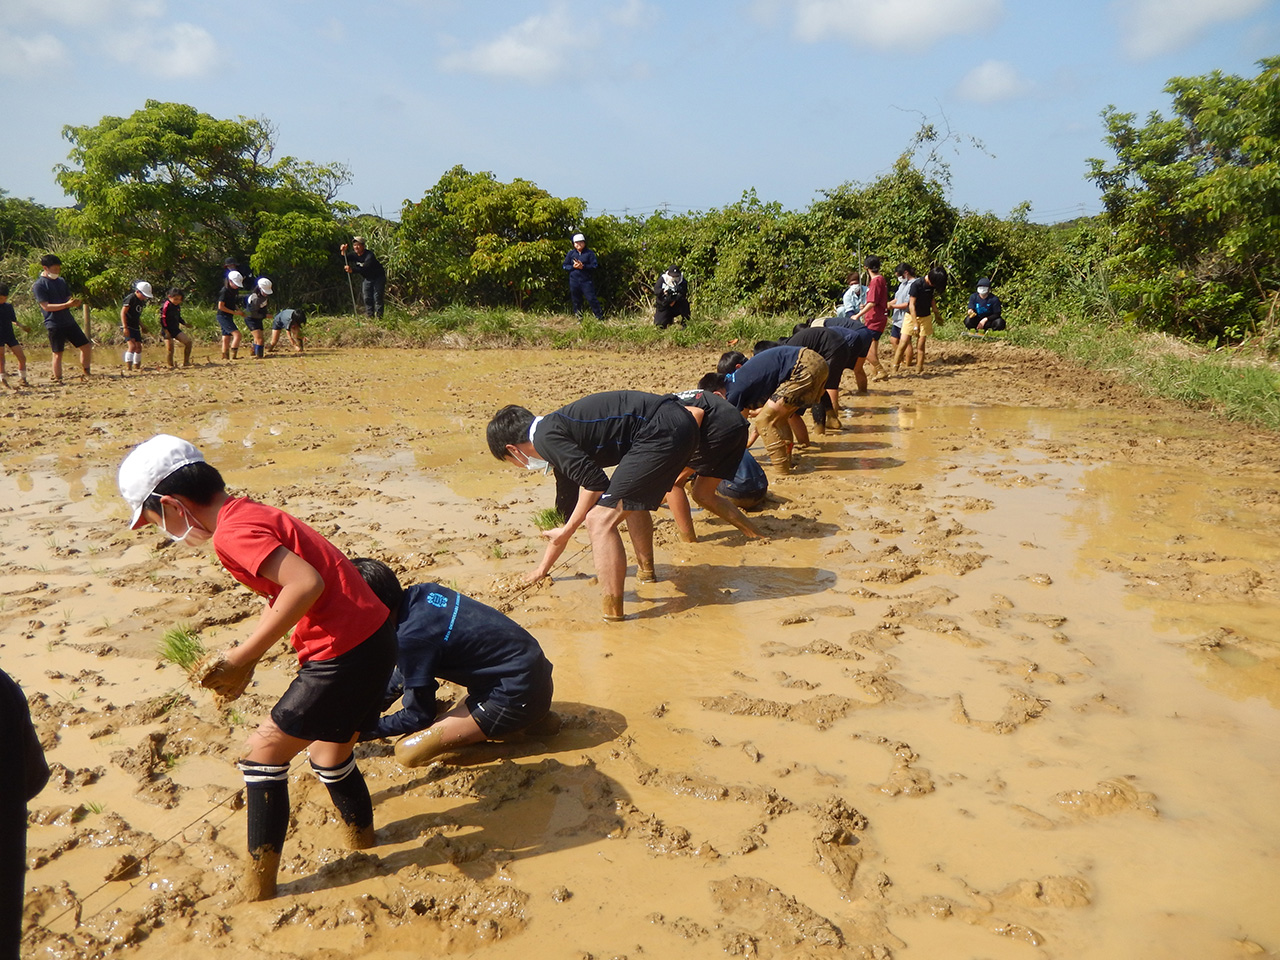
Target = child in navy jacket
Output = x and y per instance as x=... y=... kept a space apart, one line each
x=443 y=635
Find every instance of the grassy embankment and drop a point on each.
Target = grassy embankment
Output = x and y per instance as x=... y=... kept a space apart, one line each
x=1237 y=387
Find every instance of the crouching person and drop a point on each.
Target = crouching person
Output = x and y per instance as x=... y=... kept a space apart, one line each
x=343 y=635
x=443 y=635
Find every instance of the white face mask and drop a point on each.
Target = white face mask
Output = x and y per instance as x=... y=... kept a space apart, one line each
x=983 y=291
x=532 y=463
x=177 y=538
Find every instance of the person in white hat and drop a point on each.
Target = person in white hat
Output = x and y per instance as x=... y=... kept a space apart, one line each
x=581 y=263
x=228 y=310
x=131 y=323
x=344 y=636
x=256 y=313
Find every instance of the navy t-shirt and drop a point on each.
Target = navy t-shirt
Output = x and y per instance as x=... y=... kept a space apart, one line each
x=858 y=337
x=757 y=380
x=51 y=290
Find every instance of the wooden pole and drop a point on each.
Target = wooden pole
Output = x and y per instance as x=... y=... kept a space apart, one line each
x=88 y=329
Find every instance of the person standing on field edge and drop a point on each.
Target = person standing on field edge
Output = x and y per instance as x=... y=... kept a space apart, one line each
x=373 y=276
x=56 y=303
x=581 y=263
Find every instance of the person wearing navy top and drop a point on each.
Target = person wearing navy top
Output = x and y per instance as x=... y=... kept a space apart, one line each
x=443 y=635
x=778 y=382
x=985 y=310
x=581 y=264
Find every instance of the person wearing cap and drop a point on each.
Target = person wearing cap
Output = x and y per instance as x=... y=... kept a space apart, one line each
x=343 y=634
x=256 y=311
x=985 y=310
x=648 y=438
x=228 y=310
x=56 y=303
x=581 y=264
x=373 y=276
x=670 y=298
x=131 y=323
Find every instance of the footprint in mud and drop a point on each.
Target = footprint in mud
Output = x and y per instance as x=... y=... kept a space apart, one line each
x=1021 y=708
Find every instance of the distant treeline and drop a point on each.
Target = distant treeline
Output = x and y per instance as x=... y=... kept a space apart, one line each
x=1189 y=242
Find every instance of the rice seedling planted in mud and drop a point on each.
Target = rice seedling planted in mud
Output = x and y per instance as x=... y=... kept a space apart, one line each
x=181 y=646
x=548 y=519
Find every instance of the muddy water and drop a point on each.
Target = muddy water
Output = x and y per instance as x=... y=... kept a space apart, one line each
x=1003 y=683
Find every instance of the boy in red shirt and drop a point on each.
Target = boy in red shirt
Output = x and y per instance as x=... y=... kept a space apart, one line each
x=342 y=633
x=875 y=315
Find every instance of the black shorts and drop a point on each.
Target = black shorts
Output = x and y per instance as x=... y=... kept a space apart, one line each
x=514 y=704
x=660 y=451
x=8 y=338
x=64 y=331
x=332 y=700
x=227 y=323
x=253 y=323
x=133 y=333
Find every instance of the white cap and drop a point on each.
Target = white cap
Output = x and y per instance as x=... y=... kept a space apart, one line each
x=143 y=288
x=265 y=286
x=577 y=237
x=235 y=279
x=147 y=464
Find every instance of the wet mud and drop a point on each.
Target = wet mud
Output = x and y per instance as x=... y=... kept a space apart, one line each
x=1003 y=681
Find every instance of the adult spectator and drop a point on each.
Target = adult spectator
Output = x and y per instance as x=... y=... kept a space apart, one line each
x=985 y=311
x=581 y=263
x=373 y=276
x=671 y=298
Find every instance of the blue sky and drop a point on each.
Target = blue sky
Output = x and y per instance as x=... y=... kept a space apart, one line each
x=630 y=104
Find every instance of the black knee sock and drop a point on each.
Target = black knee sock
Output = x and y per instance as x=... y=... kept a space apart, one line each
x=348 y=791
x=267 y=786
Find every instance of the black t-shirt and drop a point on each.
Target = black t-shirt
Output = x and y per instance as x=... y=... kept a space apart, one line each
x=923 y=293
x=231 y=297
x=722 y=438
x=171 y=317
x=7 y=318
x=583 y=437
x=828 y=344
x=133 y=304
x=367 y=265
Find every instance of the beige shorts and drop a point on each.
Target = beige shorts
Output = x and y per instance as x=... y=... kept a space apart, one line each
x=920 y=325
x=808 y=379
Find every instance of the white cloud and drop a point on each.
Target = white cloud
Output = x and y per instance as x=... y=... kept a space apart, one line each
x=81 y=13
x=537 y=49
x=188 y=51
x=889 y=23
x=990 y=82
x=29 y=55
x=1154 y=27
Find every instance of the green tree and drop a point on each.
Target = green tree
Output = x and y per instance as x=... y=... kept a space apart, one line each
x=167 y=192
x=473 y=238
x=24 y=225
x=1194 y=201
